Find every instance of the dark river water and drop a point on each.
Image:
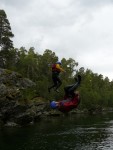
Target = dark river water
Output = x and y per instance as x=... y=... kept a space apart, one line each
x=75 y=132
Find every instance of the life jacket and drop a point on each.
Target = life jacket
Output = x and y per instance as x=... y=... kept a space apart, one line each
x=54 y=68
x=69 y=104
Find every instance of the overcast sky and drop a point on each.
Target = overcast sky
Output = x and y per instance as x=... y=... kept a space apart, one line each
x=78 y=29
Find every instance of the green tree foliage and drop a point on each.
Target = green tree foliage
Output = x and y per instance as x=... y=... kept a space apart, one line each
x=27 y=62
x=5 y=39
x=95 y=90
x=5 y=31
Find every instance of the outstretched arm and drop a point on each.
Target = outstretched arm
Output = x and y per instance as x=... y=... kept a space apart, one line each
x=60 y=68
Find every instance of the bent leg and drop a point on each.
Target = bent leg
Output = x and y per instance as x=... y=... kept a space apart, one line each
x=59 y=82
x=69 y=90
x=74 y=87
x=54 y=83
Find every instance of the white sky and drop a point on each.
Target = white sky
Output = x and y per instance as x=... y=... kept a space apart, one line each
x=78 y=29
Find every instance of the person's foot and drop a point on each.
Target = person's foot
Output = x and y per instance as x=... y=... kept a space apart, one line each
x=78 y=79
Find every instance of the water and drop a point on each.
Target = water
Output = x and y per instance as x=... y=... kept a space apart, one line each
x=76 y=132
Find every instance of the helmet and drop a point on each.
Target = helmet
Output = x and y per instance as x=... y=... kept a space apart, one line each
x=58 y=62
x=53 y=105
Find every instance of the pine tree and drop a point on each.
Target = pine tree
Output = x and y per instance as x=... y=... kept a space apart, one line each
x=5 y=42
x=5 y=31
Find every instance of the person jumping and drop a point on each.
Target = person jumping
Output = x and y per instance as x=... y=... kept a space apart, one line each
x=56 y=69
x=71 y=98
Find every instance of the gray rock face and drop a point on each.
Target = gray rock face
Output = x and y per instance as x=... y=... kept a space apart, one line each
x=11 y=83
x=12 y=111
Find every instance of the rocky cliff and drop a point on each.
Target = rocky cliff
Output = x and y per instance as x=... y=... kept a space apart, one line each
x=14 y=110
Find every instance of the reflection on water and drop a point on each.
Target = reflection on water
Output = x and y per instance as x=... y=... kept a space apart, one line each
x=76 y=132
